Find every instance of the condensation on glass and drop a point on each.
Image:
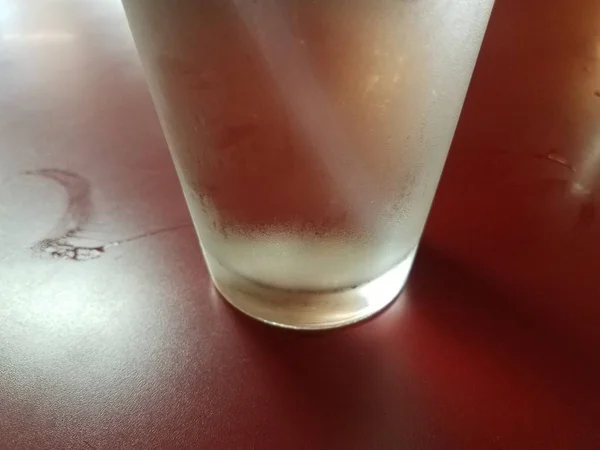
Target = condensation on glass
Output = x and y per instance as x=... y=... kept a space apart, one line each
x=309 y=137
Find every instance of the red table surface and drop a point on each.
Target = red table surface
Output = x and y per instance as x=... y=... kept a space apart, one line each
x=494 y=344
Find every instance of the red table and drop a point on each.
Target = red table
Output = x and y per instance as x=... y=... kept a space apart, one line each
x=495 y=343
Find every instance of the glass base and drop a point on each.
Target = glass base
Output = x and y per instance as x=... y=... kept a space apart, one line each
x=310 y=310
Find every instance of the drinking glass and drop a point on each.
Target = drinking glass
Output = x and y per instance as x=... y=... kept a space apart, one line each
x=309 y=137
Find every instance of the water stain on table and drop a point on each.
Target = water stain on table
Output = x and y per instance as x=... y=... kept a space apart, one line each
x=60 y=242
x=587 y=210
x=557 y=158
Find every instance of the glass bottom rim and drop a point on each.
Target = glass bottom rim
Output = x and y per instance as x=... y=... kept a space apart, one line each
x=310 y=310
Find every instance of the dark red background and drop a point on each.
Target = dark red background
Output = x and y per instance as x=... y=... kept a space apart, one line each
x=493 y=345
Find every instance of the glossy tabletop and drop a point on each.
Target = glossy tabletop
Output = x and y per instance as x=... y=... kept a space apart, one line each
x=112 y=337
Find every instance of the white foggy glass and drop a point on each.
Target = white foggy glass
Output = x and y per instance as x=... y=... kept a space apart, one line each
x=309 y=137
